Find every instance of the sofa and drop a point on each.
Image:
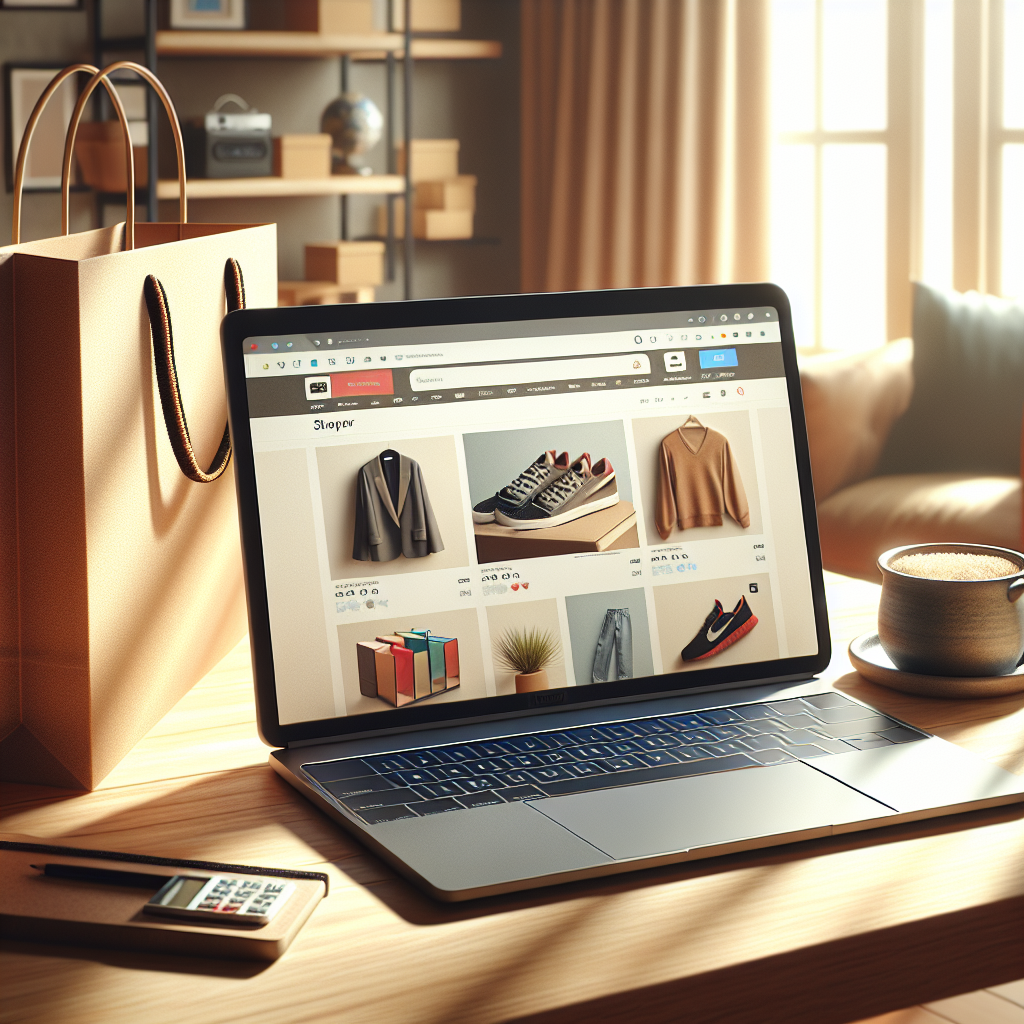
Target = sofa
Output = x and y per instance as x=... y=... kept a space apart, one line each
x=920 y=440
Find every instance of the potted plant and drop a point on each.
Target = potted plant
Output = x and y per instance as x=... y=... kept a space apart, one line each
x=527 y=653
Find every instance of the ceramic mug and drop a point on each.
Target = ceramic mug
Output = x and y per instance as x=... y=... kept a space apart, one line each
x=952 y=627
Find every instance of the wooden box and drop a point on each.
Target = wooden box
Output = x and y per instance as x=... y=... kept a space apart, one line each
x=432 y=159
x=457 y=193
x=349 y=264
x=319 y=293
x=328 y=17
x=428 y=15
x=302 y=156
x=430 y=225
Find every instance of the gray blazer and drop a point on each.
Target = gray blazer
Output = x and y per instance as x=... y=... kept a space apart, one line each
x=386 y=527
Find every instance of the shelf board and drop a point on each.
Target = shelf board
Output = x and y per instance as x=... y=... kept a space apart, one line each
x=429 y=48
x=371 y=46
x=270 y=187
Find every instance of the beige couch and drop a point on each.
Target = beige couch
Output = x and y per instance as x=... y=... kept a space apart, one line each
x=852 y=404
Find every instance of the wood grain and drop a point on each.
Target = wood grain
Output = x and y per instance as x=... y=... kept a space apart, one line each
x=821 y=932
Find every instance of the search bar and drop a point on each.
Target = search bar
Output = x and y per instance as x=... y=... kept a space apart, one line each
x=444 y=378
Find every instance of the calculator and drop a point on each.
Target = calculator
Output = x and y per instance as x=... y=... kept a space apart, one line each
x=222 y=898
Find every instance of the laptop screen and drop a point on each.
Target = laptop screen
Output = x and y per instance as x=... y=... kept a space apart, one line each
x=457 y=513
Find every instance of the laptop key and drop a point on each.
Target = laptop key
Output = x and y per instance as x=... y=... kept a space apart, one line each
x=725 y=732
x=626 y=747
x=684 y=722
x=415 y=777
x=751 y=712
x=353 y=787
x=329 y=771
x=526 y=744
x=556 y=757
x=867 y=742
x=480 y=799
x=798 y=736
x=652 y=727
x=797 y=721
x=552 y=774
x=586 y=736
x=900 y=734
x=452 y=771
x=421 y=758
x=522 y=761
x=485 y=767
x=456 y=755
x=772 y=755
x=440 y=789
x=594 y=750
x=762 y=742
x=654 y=758
x=668 y=771
x=480 y=783
x=658 y=742
x=828 y=700
x=724 y=748
x=863 y=726
x=764 y=725
x=622 y=764
x=721 y=716
x=619 y=731
x=803 y=750
x=520 y=793
x=847 y=713
x=379 y=815
x=438 y=806
x=389 y=799
x=516 y=778
x=787 y=707
x=584 y=769
x=494 y=748
x=393 y=763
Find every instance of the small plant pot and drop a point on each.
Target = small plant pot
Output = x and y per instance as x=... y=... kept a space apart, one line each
x=531 y=681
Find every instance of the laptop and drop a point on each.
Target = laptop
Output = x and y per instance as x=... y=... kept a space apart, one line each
x=535 y=590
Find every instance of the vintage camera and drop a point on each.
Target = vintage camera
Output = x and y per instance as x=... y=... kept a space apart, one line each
x=229 y=145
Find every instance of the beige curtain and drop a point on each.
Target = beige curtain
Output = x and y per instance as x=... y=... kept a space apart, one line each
x=645 y=142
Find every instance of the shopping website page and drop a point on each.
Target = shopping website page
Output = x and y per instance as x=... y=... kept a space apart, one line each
x=449 y=514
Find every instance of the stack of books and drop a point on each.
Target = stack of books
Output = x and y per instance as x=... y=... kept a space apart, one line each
x=401 y=668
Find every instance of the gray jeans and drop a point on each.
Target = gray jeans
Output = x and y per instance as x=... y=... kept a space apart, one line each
x=616 y=637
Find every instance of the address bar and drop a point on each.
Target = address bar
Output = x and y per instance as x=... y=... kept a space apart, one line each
x=445 y=378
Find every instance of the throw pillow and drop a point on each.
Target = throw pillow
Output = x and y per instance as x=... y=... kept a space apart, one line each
x=965 y=414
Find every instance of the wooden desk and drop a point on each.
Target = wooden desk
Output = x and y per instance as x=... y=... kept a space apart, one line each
x=822 y=932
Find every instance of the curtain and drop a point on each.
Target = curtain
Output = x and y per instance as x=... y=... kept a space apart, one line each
x=645 y=142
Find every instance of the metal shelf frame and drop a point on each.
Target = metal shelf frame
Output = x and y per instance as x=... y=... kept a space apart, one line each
x=147 y=44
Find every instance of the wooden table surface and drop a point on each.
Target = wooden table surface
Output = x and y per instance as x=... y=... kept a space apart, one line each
x=820 y=932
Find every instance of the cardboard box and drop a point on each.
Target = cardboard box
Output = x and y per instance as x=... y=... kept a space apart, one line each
x=428 y=224
x=607 y=530
x=319 y=293
x=329 y=17
x=432 y=159
x=350 y=264
x=457 y=193
x=428 y=15
x=302 y=156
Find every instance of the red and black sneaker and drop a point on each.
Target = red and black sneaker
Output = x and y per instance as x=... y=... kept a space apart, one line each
x=721 y=629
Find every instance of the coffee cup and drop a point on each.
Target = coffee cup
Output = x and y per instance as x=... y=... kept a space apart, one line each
x=952 y=627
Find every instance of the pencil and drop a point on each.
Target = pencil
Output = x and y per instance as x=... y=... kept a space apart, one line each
x=104 y=876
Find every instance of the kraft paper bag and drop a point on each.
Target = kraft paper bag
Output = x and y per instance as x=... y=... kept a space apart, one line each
x=120 y=577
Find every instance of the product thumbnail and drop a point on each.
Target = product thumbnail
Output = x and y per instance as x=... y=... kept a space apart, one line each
x=402 y=668
x=721 y=629
x=581 y=490
x=543 y=471
x=393 y=513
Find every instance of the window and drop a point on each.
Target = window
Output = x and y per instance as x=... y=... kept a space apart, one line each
x=899 y=142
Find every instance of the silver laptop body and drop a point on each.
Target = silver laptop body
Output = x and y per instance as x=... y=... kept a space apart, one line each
x=622 y=475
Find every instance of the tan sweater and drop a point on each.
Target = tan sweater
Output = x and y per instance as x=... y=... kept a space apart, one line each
x=698 y=480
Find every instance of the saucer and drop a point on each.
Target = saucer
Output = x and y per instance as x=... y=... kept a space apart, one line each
x=873 y=663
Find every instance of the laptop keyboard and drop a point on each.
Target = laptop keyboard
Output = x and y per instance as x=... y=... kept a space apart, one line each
x=459 y=776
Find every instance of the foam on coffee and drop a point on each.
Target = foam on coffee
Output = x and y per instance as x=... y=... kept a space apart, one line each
x=954 y=565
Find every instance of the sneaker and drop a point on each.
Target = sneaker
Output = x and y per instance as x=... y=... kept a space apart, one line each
x=721 y=629
x=580 y=490
x=538 y=475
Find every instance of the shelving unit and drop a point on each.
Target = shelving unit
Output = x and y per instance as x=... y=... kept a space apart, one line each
x=391 y=47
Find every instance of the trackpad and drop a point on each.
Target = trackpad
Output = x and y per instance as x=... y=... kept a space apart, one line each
x=710 y=810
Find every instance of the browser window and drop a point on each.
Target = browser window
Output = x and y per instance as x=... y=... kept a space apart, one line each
x=614 y=498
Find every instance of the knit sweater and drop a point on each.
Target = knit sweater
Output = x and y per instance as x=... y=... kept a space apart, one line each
x=698 y=480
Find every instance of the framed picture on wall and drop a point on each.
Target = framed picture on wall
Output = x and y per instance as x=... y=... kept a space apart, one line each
x=41 y=5
x=214 y=14
x=23 y=85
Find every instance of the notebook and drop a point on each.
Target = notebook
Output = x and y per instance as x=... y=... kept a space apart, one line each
x=535 y=590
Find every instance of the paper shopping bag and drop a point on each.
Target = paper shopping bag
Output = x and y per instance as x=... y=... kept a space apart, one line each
x=120 y=569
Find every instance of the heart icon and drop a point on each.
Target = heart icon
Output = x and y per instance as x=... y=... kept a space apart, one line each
x=515 y=586
x=526 y=586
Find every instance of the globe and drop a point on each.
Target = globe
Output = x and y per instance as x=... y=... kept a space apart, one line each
x=355 y=125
